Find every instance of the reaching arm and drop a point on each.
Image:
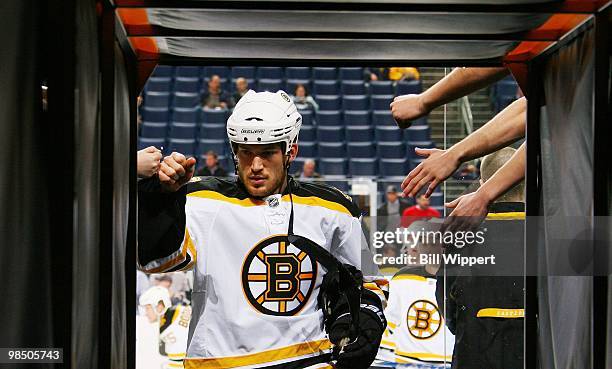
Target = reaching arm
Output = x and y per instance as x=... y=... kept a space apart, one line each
x=505 y=128
x=458 y=83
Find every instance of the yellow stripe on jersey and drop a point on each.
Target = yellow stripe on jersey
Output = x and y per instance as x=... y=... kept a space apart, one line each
x=391 y=324
x=512 y=215
x=180 y=355
x=501 y=313
x=388 y=344
x=248 y=202
x=269 y=356
x=423 y=356
x=409 y=276
x=177 y=365
x=176 y=314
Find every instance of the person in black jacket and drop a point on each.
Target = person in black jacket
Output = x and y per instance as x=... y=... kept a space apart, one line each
x=212 y=167
x=389 y=213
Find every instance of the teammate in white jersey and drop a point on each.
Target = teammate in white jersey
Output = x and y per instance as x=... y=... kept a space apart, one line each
x=276 y=279
x=173 y=324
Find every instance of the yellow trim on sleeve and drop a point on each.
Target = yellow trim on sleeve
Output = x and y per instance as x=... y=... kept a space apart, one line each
x=180 y=355
x=269 y=356
x=409 y=276
x=501 y=313
x=388 y=343
x=391 y=324
x=512 y=215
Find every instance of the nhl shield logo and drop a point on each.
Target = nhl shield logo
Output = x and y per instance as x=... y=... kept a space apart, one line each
x=277 y=277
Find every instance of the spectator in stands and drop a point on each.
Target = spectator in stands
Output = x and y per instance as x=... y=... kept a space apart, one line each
x=215 y=97
x=212 y=167
x=148 y=162
x=390 y=212
x=308 y=171
x=403 y=73
x=242 y=86
x=303 y=100
x=421 y=210
x=374 y=74
x=163 y=280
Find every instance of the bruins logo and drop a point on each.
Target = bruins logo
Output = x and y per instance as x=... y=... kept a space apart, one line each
x=277 y=277
x=423 y=319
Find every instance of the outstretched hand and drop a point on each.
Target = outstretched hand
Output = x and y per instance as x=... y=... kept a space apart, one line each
x=406 y=108
x=438 y=165
x=468 y=212
x=175 y=171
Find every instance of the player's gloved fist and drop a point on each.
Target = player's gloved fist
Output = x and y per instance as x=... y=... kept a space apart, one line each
x=360 y=353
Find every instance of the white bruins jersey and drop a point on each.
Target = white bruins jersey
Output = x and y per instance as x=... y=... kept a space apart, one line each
x=416 y=333
x=173 y=332
x=254 y=297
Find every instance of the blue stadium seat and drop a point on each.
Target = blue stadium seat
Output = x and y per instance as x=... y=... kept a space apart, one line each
x=359 y=134
x=356 y=102
x=329 y=118
x=412 y=145
x=353 y=88
x=221 y=71
x=323 y=87
x=307 y=149
x=155 y=99
x=366 y=167
x=159 y=84
x=436 y=199
x=381 y=102
x=292 y=84
x=187 y=84
x=307 y=117
x=332 y=166
x=381 y=88
x=383 y=117
x=328 y=102
x=144 y=142
x=331 y=150
x=391 y=150
x=388 y=133
x=324 y=73
x=163 y=71
x=218 y=146
x=218 y=116
x=361 y=150
x=420 y=122
x=271 y=85
x=213 y=131
x=244 y=72
x=186 y=115
x=357 y=117
x=297 y=73
x=154 y=130
x=297 y=164
x=337 y=181
x=182 y=145
x=417 y=133
x=187 y=71
x=308 y=133
x=186 y=99
x=506 y=87
x=183 y=131
x=270 y=73
x=409 y=87
x=351 y=73
x=393 y=167
x=330 y=133
x=157 y=115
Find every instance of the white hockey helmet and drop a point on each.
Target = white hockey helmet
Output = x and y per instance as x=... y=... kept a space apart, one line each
x=263 y=118
x=153 y=296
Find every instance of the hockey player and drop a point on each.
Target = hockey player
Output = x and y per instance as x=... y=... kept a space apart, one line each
x=263 y=296
x=416 y=334
x=173 y=324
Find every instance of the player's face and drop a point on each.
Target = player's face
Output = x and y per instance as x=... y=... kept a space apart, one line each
x=261 y=168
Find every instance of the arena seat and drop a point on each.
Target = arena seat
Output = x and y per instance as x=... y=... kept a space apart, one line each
x=325 y=87
x=381 y=102
x=187 y=71
x=185 y=99
x=355 y=102
x=163 y=71
x=157 y=115
x=437 y=199
x=183 y=131
x=213 y=131
x=324 y=73
x=331 y=150
x=391 y=150
x=337 y=181
x=328 y=102
x=332 y=166
x=367 y=167
x=388 y=133
x=271 y=85
x=300 y=73
x=383 y=117
x=361 y=149
x=359 y=134
x=330 y=133
x=351 y=73
x=186 y=115
x=159 y=84
x=417 y=133
x=218 y=116
x=307 y=149
x=187 y=84
x=381 y=88
x=221 y=71
x=157 y=130
x=144 y=142
x=357 y=117
x=409 y=87
x=308 y=133
x=218 y=146
x=292 y=84
x=307 y=117
x=353 y=87
x=154 y=99
x=185 y=146
x=244 y=72
x=393 y=167
x=270 y=73
x=329 y=118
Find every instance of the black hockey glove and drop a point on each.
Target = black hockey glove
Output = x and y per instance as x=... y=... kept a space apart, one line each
x=361 y=352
